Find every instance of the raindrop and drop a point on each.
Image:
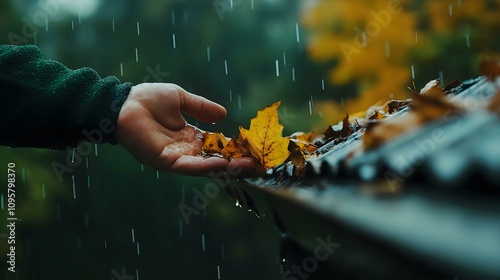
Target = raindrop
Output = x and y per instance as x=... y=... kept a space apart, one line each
x=74 y=190
x=441 y=77
x=208 y=53
x=86 y=218
x=322 y=84
x=230 y=95
x=142 y=167
x=239 y=102
x=310 y=108
x=218 y=272
x=412 y=72
x=138 y=29
x=121 y=69
x=459 y=3
x=416 y=36
x=450 y=10
x=137 y=274
x=88 y=181
x=87 y=162
x=157 y=175
x=47 y=24
x=284 y=59
x=133 y=235
x=1 y=201
x=43 y=193
x=252 y=5
x=73 y=156
x=365 y=40
x=79 y=243
x=113 y=24
x=312 y=101
x=173 y=17
x=237 y=203
x=95 y=150
x=203 y=242
x=138 y=252
x=105 y=244
x=173 y=40
x=387 y=49
x=225 y=67
x=72 y=25
x=277 y=69
x=467 y=40
x=231 y=3
x=293 y=74
x=136 y=55
x=297 y=32
x=180 y=228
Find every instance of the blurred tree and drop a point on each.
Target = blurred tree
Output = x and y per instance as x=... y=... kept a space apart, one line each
x=379 y=46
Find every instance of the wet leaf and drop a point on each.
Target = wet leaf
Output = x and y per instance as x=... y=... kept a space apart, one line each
x=213 y=142
x=265 y=137
x=344 y=132
x=296 y=155
x=431 y=104
x=237 y=148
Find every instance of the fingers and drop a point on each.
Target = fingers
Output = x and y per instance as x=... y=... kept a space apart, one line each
x=201 y=108
x=236 y=168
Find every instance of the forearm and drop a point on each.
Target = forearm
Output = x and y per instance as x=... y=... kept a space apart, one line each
x=45 y=104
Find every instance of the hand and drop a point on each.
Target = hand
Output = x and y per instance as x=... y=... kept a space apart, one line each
x=151 y=127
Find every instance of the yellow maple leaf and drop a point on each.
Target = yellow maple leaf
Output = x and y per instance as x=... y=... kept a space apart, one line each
x=267 y=144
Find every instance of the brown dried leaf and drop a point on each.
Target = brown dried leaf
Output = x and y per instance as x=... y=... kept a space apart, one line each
x=346 y=130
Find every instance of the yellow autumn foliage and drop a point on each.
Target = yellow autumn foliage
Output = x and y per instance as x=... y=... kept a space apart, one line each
x=374 y=43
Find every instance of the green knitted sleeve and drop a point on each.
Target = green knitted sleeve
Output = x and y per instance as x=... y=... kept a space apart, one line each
x=44 y=104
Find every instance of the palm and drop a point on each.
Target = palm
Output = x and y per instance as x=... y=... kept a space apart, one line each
x=153 y=129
